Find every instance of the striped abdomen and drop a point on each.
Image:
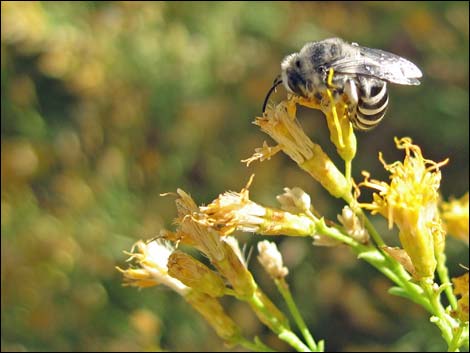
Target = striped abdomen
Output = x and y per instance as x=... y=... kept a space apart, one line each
x=372 y=103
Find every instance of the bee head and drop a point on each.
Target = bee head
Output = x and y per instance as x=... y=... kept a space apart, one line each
x=293 y=75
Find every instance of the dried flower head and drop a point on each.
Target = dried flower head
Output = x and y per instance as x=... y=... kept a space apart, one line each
x=213 y=312
x=402 y=257
x=151 y=261
x=235 y=211
x=410 y=201
x=280 y=123
x=195 y=274
x=233 y=243
x=200 y=236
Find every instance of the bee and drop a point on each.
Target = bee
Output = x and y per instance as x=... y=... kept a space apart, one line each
x=360 y=74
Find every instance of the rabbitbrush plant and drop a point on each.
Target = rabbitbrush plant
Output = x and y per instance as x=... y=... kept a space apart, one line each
x=409 y=200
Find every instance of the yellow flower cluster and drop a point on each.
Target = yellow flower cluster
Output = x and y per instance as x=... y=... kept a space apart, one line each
x=157 y=262
x=410 y=201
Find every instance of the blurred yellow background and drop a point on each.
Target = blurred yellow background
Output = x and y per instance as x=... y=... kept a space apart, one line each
x=105 y=105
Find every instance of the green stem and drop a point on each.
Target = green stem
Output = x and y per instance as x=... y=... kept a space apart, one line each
x=283 y=288
x=256 y=346
x=289 y=337
x=444 y=277
x=351 y=201
x=369 y=226
x=347 y=171
x=335 y=233
x=391 y=268
x=440 y=317
x=368 y=253
x=456 y=343
x=415 y=292
x=381 y=261
x=273 y=322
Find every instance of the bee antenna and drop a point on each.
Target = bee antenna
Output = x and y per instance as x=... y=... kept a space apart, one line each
x=277 y=82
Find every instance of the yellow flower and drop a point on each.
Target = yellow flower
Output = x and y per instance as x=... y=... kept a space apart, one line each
x=235 y=211
x=151 y=259
x=455 y=216
x=461 y=288
x=341 y=131
x=410 y=201
x=280 y=123
x=337 y=118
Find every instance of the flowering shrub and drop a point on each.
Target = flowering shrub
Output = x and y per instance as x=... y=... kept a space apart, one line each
x=410 y=200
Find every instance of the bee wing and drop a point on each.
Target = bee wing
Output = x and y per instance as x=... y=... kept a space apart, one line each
x=380 y=64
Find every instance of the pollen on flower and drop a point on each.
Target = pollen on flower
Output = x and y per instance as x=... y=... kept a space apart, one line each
x=410 y=201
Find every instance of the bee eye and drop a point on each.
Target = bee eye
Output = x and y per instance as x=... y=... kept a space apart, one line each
x=321 y=69
x=298 y=63
x=296 y=82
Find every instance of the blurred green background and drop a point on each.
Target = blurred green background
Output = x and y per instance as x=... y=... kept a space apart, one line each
x=105 y=105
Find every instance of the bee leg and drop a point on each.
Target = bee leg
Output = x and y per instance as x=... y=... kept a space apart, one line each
x=350 y=89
